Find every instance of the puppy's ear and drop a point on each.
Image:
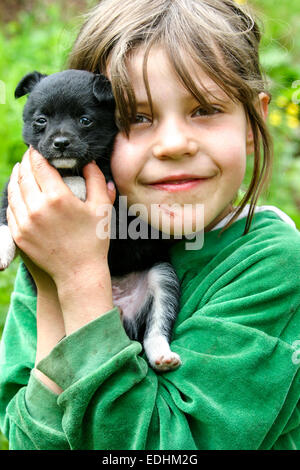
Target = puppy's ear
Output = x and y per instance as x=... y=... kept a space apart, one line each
x=102 y=88
x=27 y=83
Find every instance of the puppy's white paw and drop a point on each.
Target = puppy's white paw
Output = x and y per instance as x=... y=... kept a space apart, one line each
x=160 y=355
x=167 y=362
x=7 y=247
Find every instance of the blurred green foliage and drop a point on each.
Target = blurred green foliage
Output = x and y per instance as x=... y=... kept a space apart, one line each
x=41 y=40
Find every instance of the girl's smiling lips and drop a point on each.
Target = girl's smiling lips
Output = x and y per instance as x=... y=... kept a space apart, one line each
x=174 y=183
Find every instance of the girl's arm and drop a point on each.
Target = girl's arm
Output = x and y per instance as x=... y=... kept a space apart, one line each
x=80 y=302
x=29 y=203
x=49 y=319
x=86 y=297
x=58 y=232
x=62 y=240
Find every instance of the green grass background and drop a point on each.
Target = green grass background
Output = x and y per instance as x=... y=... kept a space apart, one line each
x=41 y=39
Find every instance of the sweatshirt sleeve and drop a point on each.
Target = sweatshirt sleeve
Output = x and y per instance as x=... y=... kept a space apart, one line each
x=27 y=423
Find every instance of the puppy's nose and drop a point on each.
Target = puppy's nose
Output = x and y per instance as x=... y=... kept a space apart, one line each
x=61 y=142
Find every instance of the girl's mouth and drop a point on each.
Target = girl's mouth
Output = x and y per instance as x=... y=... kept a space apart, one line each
x=179 y=185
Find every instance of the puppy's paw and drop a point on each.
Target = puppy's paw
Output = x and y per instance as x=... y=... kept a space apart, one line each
x=160 y=355
x=167 y=362
x=7 y=247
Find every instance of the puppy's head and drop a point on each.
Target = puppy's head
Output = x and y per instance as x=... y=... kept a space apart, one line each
x=69 y=117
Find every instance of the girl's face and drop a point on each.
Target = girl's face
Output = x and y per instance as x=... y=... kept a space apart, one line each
x=183 y=155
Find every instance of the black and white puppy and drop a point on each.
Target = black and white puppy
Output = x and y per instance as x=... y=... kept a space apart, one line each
x=69 y=117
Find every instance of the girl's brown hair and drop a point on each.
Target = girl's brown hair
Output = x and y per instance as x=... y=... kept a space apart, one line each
x=218 y=35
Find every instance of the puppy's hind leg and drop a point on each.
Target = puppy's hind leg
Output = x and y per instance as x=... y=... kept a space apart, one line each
x=165 y=291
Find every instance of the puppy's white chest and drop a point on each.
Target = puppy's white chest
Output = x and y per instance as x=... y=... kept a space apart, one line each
x=77 y=186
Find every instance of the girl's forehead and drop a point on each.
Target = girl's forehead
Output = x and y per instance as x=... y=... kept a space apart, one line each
x=159 y=69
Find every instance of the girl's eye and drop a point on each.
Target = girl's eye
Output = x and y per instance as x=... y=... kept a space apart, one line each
x=205 y=112
x=85 y=121
x=141 y=119
x=41 y=121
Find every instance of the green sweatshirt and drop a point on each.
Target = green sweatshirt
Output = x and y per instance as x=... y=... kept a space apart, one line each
x=237 y=333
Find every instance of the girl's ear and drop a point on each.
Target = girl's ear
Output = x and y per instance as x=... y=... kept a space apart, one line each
x=263 y=101
x=263 y=107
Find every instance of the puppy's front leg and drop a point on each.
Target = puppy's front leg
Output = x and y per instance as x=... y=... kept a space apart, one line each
x=8 y=249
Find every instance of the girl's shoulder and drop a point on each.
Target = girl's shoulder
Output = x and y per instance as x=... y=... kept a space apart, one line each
x=267 y=212
x=273 y=242
x=252 y=278
x=270 y=227
x=271 y=231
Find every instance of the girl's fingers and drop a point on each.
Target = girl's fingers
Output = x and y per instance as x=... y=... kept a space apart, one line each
x=30 y=190
x=46 y=176
x=15 y=200
x=96 y=188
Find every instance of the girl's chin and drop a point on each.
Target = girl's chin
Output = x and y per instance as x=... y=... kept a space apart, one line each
x=177 y=221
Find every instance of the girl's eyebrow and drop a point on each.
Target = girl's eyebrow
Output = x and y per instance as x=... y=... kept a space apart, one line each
x=214 y=92
x=142 y=104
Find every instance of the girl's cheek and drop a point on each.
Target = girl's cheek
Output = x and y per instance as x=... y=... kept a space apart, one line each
x=123 y=162
x=230 y=148
x=118 y=156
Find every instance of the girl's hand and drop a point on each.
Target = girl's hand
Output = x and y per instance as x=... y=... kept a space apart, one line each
x=50 y=225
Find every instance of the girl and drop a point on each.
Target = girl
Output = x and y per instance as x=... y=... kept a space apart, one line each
x=191 y=109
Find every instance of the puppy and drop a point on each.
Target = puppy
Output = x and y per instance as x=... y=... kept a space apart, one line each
x=69 y=117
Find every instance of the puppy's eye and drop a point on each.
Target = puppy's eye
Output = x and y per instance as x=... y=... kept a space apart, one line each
x=41 y=121
x=85 y=121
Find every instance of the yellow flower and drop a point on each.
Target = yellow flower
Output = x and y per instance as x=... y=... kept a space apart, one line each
x=241 y=2
x=293 y=122
x=292 y=109
x=281 y=101
x=275 y=118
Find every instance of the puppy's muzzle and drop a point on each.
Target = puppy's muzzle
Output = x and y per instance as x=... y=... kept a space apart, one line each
x=65 y=151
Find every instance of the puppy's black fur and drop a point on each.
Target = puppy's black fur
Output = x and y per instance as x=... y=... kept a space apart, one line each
x=71 y=115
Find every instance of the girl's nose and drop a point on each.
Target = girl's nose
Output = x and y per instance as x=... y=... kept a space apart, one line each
x=174 y=141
